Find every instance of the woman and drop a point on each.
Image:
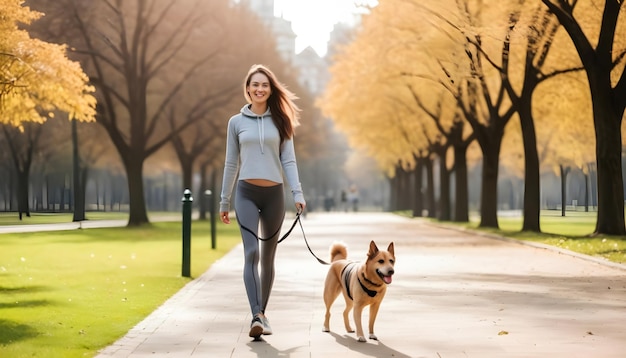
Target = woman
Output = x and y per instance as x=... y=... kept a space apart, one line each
x=259 y=146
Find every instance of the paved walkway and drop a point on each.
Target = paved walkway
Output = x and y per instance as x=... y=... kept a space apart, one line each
x=86 y=224
x=455 y=294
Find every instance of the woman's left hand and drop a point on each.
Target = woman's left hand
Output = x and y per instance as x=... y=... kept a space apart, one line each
x=300 y=207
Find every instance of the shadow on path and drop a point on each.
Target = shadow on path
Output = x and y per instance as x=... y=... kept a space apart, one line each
x=369 y=349
x=265 y=350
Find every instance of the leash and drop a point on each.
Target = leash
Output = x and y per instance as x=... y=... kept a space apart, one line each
x=296 y=221
x=305 y=240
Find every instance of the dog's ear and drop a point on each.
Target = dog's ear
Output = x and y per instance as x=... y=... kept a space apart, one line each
x=390 y=249
x=373 y=249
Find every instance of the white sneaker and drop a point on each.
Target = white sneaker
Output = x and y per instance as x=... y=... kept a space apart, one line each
x=256 y=327
x=267 y=330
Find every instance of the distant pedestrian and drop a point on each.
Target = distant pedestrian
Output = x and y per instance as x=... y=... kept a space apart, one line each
x=344 y=200
x=259 y=150
x=353 y=197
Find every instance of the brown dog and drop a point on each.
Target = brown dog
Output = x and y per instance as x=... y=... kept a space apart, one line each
x=362 y=284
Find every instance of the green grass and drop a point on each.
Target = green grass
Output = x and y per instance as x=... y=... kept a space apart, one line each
x=12 y=218
x=71 y=293
x=571 y=232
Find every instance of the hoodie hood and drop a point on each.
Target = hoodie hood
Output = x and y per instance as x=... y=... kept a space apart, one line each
x=246 y=111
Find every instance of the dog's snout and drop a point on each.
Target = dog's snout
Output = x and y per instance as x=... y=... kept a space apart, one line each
x=391 y=272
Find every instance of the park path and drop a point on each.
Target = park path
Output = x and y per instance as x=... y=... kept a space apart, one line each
x=86 y=224
x=455 y=294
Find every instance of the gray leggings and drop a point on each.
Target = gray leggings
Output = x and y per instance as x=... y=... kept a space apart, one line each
x=253 y=205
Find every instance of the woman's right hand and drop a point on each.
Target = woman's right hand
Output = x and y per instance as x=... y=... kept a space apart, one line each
x=224 y=217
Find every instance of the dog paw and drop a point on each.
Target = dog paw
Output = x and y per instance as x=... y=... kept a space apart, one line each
x=325 y=329
x=373 y=337
x=362 y=339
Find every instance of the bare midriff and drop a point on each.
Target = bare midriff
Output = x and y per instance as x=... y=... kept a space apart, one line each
x=261 y=182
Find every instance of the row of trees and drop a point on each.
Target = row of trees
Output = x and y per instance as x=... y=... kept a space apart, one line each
x=463 y=76
x=166 y=76
x=36 y=79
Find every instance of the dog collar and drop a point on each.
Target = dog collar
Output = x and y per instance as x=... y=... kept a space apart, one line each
x=370 y=281
x=369 y=292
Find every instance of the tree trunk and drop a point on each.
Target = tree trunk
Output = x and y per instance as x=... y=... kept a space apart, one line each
x=532 y=187
x=134 y=168
x=202 y=205
x=461 y=209
x=587 y=192
x=78 y=187
x=444 y=187
x=418 y=204
x=392 y=193
x=489 y=189
x=430 y=190
x=564 y=173
x=22 y=192
x=405 y=189
x=609 y=161
x=84 y=174
x=394 y=184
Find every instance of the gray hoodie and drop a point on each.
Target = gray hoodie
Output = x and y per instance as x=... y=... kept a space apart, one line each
x=253 y=149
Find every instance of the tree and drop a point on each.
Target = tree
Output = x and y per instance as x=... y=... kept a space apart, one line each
x=36 y=77
x=483 y=99
x=139 y=59
x=542 y=30
x=381 y=120
x=88 y=147
x=606 y=72
x=22 y=144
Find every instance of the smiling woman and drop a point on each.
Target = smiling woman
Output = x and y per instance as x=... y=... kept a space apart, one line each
x=259 y=151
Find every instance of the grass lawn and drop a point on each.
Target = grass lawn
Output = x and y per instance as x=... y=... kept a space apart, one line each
x=71 y=293
x=570 y=232
x=12 y=218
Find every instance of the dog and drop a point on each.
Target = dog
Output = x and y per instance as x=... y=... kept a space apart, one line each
x=362 y=284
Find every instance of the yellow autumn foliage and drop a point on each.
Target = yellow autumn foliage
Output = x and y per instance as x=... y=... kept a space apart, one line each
x=420 y=45
x=36 y=77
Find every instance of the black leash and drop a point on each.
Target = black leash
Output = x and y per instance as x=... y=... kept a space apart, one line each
x=305 y=240
x=296 y=221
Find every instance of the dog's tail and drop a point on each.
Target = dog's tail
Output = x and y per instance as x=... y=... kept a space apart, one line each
x=338 y=251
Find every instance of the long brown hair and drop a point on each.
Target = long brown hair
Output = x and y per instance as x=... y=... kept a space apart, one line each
x=285 y=113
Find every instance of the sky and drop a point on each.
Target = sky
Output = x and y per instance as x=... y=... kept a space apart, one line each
x=313 y=20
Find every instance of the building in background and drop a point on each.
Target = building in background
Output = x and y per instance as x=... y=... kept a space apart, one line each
x=340 y=36
x=312 y=68
x=283 y=33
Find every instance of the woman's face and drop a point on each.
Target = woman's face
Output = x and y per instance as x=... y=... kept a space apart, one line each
x=259 y=88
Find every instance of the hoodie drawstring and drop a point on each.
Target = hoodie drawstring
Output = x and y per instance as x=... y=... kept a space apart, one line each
x=261 y=132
